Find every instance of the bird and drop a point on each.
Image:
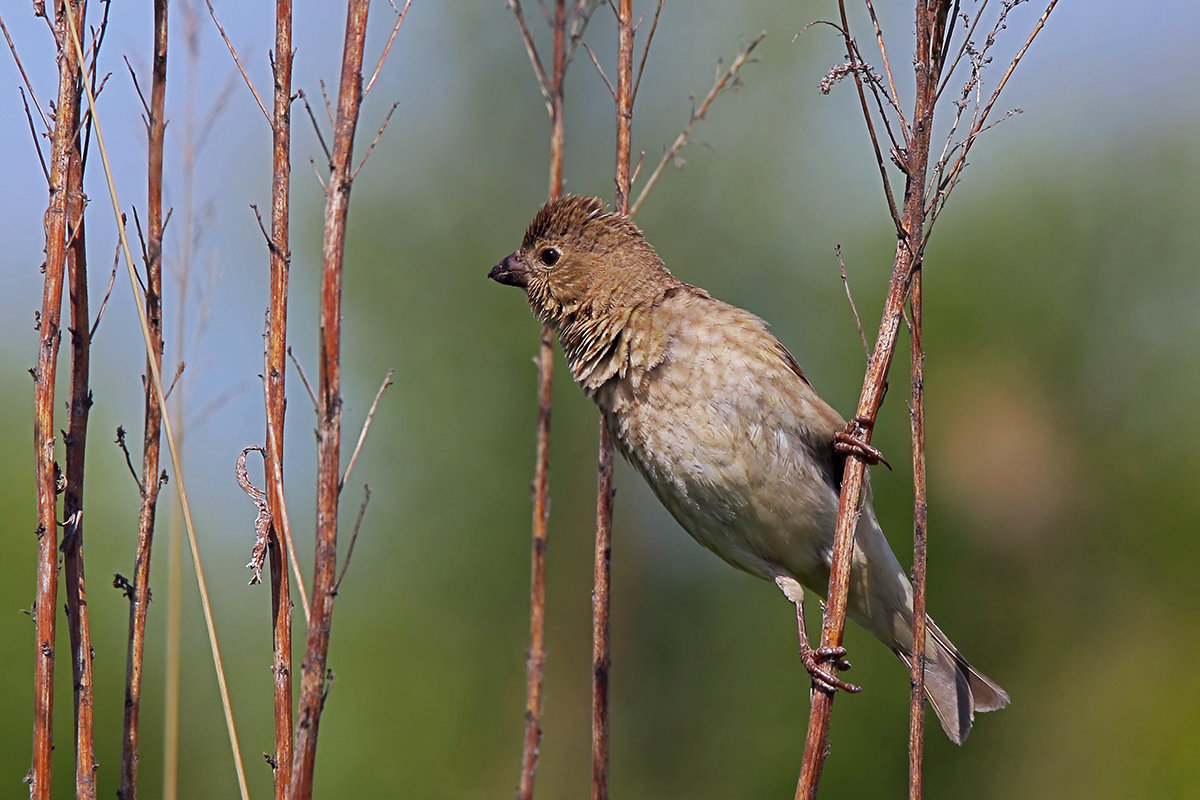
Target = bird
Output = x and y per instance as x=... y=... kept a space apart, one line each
x=717 y=416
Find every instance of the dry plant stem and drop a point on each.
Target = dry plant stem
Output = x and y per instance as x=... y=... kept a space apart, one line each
x=76 y=446
x=56 y=224
x=601 y=577
x=24 y=78
x=950 y=179
x=916 y=718
x=276 y=397
x=601 y=659
x=329 y=413
x=851 y=54
x=176 y=461
x=927 y=64
x=237 y=61
x=535 y=667
x=366 y=428
x=387 y=48
x=697 y=115
x=139 y=594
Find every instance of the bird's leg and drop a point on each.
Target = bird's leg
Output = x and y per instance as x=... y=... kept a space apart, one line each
x=847 y=442
x=813 y=659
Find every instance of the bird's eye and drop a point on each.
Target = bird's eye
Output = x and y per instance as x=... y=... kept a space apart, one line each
x=549 y=256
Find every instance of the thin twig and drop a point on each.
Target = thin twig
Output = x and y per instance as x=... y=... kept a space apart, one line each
x=362 y=435
x=176 y=461
x=851 y=55
x=850 y=297
x=637 y=170
x=120 y=441
x=600 y=69
x=317 y=173
x=387 y=47
x=697 y=115
x=962 y=50
x=316 y=128
x=179 y=368
x=362 y=510
x=581 y=15
x=263 y=229
x=534 y=59
x=375 y=141
x=978 y=126
x=138 y=88
x=646 y=49
x=238 y=61
x=25 y=78
x=37 y=146
x=303 y=378
x=112 y=279
x=328 y=105
x=892 y=94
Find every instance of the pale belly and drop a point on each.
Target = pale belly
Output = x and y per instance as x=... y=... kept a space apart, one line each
x=736 y=473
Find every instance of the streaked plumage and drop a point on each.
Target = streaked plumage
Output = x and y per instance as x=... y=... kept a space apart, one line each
x=722 y=423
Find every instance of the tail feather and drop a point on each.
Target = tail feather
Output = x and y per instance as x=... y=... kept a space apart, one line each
x=955 y=689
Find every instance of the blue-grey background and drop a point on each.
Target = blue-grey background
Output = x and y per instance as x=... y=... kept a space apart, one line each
x=1060 y=287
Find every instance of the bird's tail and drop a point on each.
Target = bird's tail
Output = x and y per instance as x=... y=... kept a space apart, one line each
x=955 y=689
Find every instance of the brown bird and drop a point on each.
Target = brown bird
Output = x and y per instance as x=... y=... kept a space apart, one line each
x=724 y=426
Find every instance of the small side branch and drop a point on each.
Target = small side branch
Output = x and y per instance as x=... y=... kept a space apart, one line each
x=238 y=61
x=697 y=115
x=362 y=434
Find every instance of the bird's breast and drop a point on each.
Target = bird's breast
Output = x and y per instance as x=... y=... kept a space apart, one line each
x=718 y=431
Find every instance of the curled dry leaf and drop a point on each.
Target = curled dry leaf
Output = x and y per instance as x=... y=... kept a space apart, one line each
x=262 y=522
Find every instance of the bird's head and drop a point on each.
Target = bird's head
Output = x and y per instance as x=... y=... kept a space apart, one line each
x=577 y=261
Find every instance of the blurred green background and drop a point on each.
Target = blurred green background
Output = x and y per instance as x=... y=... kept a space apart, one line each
x=1061 y=289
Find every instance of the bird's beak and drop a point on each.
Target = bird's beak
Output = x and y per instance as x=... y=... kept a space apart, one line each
x=512 y=271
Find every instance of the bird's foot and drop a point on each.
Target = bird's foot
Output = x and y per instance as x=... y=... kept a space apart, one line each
x=823 y=679
x=847 y=442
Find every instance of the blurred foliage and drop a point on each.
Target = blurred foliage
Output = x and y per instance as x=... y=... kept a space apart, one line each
x=1061 y=288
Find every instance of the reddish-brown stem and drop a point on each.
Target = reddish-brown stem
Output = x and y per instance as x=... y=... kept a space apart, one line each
x=535 y=668
x=276 y=398
x=602 y=572
x=601 y=659
x=624 y=104
x=76 y=447
x=907 y=259
x=46 y=478
x=139 y=594
x=329 y=397
x=916 y=719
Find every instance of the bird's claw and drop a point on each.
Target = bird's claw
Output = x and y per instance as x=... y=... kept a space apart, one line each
x=847 y=443
x=822 y=679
